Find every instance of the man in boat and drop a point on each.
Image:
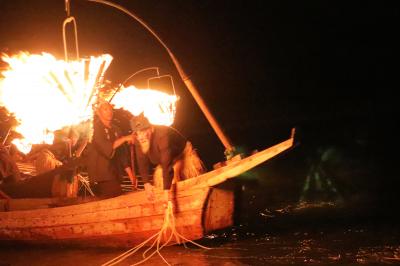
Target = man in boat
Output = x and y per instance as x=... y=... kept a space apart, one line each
x=108 y=154
x=164 y=147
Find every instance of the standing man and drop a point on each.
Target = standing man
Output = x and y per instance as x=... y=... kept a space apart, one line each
x=108 y=156
x=165 y=148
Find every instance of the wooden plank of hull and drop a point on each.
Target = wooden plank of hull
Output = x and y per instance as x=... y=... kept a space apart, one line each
x=219 y=210
x=118 y=224
x=121 y=233
x=123 y=207
x=132 y=205
x=197 y=215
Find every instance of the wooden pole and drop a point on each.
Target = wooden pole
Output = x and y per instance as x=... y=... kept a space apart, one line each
x=193 y=90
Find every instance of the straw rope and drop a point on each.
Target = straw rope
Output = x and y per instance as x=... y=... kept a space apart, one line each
x=169 y=224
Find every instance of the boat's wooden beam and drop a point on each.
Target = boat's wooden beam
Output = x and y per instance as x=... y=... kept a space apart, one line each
x=250 y=162
x=236 y=168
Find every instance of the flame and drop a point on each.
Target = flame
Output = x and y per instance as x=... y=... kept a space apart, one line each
x=157 y=106
x=46 y=94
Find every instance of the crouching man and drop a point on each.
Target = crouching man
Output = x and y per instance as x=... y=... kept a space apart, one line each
x=167 y=150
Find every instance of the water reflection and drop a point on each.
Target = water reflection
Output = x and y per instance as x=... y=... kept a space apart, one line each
x=367 y=244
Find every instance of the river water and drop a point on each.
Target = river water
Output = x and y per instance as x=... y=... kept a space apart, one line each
x=309 y=235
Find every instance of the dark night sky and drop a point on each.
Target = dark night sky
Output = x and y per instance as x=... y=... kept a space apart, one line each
x=328 y=68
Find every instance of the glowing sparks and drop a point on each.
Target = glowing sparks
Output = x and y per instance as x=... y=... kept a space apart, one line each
x=46 y=94
x=157 y=106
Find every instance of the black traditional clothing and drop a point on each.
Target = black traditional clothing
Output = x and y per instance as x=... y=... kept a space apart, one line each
x=106 y=165
x=168 y=148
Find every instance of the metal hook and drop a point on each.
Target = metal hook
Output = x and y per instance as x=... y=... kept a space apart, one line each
x=70 y=19
x=131 y=76
x=160 y=77
x=66 y=21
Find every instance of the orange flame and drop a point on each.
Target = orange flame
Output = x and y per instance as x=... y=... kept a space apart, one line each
x=46 y=94
x=157 y=106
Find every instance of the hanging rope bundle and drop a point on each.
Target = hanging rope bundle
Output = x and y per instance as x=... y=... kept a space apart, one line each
x=168 y=231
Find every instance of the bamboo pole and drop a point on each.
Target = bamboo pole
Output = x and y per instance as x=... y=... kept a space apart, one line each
x=193 y=90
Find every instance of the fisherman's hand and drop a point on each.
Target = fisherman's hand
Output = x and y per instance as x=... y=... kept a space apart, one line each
x=149 y=189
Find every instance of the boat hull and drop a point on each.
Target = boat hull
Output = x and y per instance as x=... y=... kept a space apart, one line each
x=119 y=222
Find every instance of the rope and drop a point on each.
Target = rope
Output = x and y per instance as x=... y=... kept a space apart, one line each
x=85 y=184
x=169 y=223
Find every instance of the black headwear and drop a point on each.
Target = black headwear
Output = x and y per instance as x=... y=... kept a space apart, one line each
x=139 y=122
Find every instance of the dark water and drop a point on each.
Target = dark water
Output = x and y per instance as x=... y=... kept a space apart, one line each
x=345 y=214
x=323 y=233
x=292 y=237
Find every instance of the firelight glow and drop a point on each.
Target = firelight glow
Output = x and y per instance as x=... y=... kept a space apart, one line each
x=157 y=106
x=46 y=94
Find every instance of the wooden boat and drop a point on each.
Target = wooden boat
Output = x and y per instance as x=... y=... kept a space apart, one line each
x=198 y=205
